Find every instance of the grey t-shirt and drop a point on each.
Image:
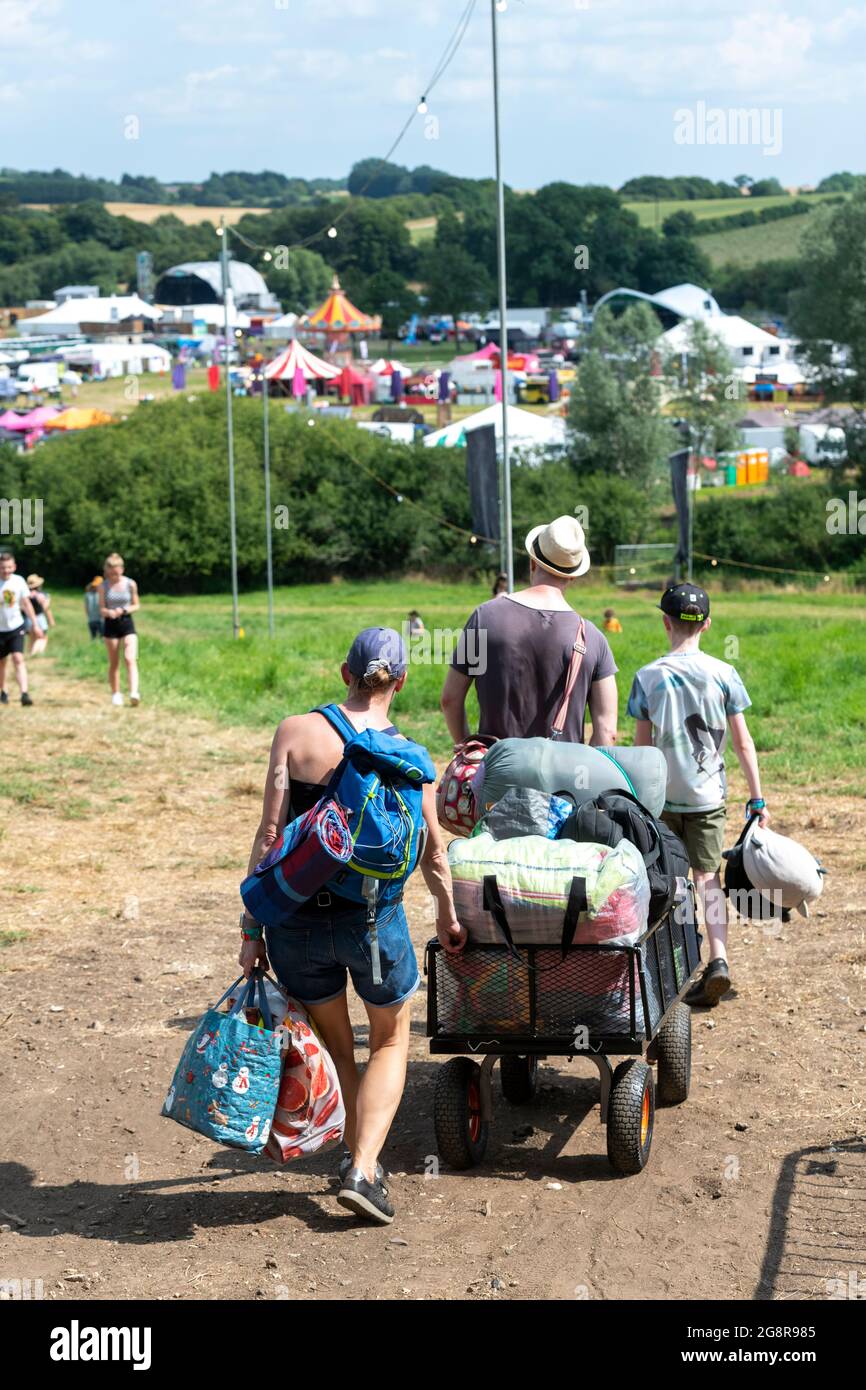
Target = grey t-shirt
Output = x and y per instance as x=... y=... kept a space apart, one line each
x=519 y=659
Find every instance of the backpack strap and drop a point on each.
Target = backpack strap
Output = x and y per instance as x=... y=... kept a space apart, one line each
x=578 y=652
x=337 y=720
x=343 y=726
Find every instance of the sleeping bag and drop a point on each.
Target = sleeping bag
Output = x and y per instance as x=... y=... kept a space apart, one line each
x=573 y=769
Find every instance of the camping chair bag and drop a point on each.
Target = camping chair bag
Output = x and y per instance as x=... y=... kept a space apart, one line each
x=570 y=769
x=769 y=875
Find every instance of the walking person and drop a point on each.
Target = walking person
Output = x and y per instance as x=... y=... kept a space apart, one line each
x=15 y=607
x=118 y=600
x=91 y=607
x=517 y=648
x=44 y=617
x=328 y=938
x=684 y=703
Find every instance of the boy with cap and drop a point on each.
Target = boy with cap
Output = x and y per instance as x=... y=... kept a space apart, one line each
x=684 y=704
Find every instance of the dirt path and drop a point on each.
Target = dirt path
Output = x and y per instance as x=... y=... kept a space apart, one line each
x=124 y=836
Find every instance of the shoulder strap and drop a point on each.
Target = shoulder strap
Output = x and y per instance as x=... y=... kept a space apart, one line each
x=337 y=720
x=492 y=902
x=577 y=903
x=578 y=652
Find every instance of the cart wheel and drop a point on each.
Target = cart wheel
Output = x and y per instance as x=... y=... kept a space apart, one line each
x=630 y=1115
x=461 y=1134
x=519 y=1077
x=675 y=1055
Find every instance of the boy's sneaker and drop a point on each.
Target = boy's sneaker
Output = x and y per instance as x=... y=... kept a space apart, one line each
x=368 y=1200
x=117 y=698
x=4 y=697
x=345 y=1168
x=710 y=986
x=25 y=699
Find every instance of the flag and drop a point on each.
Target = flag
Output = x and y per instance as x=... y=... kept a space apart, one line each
x=497 y=385
x=444 y=386
x=178 y=376
x=213 y=377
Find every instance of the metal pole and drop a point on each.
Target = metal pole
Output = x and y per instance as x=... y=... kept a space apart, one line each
x=267 y=443
x=690 y=499
x=230 y=431
x=503 y=320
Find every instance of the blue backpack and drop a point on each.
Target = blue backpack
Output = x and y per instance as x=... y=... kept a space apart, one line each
x=379 y=785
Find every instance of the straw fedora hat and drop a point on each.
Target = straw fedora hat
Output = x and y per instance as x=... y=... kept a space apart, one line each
x=35 y=581
x=559 y=547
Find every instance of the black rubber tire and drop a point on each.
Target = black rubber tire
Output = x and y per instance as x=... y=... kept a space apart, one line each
x=627 y=1150
x=674 y=1052
x=519 y=1078
x=461 y=1134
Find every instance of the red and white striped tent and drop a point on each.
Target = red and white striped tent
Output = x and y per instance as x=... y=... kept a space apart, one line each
x=295 y=357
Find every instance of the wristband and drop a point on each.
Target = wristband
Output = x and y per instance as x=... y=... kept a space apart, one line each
x=250 y=930
x=757 y=803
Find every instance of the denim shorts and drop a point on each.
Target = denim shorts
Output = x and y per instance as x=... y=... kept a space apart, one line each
x=313 y=955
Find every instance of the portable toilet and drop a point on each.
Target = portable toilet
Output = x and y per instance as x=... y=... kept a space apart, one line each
x=742 y=468
x=752 y=465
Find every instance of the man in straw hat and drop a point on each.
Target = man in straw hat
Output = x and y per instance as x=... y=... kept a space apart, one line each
x=517 y=649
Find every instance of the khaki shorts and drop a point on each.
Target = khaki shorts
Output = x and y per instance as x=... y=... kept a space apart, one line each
x=702 y=833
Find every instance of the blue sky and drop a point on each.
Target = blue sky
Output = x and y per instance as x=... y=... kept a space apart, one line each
x=591 y=88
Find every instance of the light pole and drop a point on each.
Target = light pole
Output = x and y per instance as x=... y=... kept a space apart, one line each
x=224 y=259
x=503 y=323
x=267 y=452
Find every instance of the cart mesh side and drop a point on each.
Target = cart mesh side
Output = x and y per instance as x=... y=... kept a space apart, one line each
x=537 y=992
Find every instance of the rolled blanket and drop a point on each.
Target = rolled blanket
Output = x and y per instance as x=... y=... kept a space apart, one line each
x=309 y=852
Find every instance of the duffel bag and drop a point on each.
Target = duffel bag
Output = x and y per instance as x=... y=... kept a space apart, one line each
x=552 y=892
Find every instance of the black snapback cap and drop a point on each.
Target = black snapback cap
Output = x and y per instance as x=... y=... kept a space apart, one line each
x=688 y=602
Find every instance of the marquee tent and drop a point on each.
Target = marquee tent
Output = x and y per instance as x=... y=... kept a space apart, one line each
x=78 y=418
x=524 y=428
x=298 y=358
x=31 y=419
x=339 y=315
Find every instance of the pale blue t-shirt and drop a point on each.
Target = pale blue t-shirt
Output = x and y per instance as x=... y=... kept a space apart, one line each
x=688 y=697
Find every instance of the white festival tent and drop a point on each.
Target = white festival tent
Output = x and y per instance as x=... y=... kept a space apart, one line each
x=524 y=428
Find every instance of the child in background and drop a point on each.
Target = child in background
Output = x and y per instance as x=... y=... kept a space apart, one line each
x=416 y=622
x=684 y=704
x=611 y=621
x=91 y=606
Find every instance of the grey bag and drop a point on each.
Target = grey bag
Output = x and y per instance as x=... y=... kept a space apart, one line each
x=524 y=811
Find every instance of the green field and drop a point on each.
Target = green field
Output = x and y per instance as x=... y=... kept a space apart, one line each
x=653 y=214
x=747 y=246
x=808 y=695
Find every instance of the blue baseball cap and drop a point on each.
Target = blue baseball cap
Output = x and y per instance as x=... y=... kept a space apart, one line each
x=377 y=649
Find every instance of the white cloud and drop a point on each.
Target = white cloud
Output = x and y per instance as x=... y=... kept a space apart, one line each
x=765 y=48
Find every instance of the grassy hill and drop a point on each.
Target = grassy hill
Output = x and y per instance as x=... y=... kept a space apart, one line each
x=653 y=214
x=748 y=246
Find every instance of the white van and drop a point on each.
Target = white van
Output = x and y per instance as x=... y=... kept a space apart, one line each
x=38 y=376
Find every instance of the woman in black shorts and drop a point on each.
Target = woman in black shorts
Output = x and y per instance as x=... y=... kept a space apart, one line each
x=118 y=600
